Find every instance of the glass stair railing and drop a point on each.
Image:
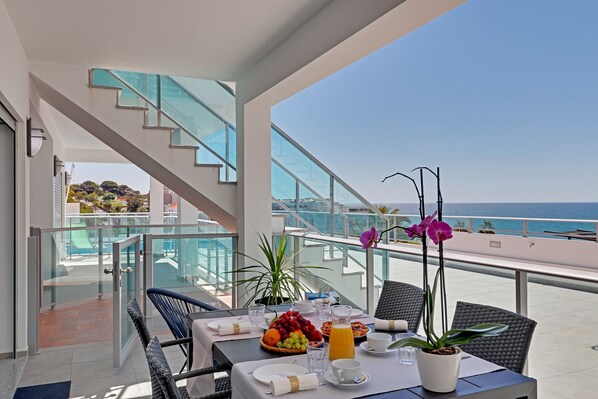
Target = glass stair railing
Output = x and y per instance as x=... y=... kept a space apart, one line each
x=310 y=194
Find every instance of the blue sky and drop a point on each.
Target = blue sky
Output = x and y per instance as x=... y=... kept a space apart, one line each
x=502 y=95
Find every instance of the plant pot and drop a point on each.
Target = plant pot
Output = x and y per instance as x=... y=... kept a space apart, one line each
x=272 y=301
x=438 y=373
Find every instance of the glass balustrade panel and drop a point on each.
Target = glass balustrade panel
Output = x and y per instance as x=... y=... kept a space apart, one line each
x=197 y=267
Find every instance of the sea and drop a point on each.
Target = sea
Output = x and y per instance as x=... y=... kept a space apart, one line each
x=527 y=210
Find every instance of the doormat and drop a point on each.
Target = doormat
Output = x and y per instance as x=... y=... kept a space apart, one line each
x=56 y=390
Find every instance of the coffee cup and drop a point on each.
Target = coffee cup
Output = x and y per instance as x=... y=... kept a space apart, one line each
x=379 y=341
x=346 y=370
x=304 y=306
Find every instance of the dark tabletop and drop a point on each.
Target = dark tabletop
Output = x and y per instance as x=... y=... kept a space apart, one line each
x=502 y=384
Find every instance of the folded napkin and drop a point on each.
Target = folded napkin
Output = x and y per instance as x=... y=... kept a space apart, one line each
x=390 y=325
x=234 y=328
x=293 y=383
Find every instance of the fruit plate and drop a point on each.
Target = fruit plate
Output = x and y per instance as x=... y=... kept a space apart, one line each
x=283 y=351
x=356 y=325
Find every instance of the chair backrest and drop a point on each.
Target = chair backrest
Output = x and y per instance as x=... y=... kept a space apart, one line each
x=510 y=348
x=161 y=370
x=144 y=335
x=401 y=301
x=174 y=308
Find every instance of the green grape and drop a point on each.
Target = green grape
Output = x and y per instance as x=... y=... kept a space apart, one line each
x=279 y=344
x=297 y=346
x=289 y=346
x=303 y=347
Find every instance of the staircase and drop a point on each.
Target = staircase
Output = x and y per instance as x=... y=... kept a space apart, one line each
x=124 y=127
x=140 y=115
x=345 y=273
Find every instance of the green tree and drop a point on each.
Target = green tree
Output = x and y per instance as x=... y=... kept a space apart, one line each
x=90 y=187
x=110 y=186
x=84 y=208
x=108 y=197
x=135 y=203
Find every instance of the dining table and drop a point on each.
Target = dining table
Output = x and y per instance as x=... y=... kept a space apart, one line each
x=243 y=354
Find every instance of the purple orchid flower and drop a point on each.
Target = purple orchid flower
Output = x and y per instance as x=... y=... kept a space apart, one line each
x=439 y=231
x=427 y=221
x=369 y=238
x=413 y=231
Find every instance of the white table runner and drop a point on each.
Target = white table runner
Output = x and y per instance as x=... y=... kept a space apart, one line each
x=387 y=374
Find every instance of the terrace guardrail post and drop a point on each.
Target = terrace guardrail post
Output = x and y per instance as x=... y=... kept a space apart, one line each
x=100 y=263
x=148 y=272
x=235 y=256
x=470 y=222
x=369 y=273
x=521 y=293
x=525 y=228
x=34 y=285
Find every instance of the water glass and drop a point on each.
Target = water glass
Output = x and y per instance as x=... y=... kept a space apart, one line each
x=317 y=358
x=323 y=308
x=406 y=354
x=256 y=314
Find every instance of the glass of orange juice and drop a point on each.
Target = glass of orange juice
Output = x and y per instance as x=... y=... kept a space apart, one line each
x=342 y=345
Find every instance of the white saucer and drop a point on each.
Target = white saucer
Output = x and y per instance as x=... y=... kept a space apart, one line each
x=331 y=378
x=312 y=311
x=273 y=371
x=355 y=313
x=364 y=345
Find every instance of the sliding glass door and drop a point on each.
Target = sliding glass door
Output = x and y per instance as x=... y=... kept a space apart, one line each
x=7 y=234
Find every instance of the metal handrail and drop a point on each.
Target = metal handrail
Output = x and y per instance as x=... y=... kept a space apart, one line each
x=159 y=110
x=292 y=142
x=273 y=126
x=112 y=226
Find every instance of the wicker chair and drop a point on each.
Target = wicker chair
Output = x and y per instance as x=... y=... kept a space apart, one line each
x=401 y=301
x=508 y=349
x=161 y=371
x=174 y=308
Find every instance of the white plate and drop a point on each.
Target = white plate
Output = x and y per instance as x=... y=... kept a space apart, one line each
x=331 y=378
x=312 y=311
x=355 y=313
x=364 y=345
x=215 y=323
x=278 y=370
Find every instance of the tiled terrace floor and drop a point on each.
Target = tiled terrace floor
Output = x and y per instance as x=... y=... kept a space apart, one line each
x=561 y=357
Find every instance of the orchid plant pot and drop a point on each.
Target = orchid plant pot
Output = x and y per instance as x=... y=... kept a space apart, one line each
x=438 y=373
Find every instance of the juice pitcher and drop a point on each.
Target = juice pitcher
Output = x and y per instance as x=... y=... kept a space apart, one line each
x=342 y=345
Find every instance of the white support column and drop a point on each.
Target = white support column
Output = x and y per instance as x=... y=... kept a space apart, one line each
x=156 y=200
x=254 y=193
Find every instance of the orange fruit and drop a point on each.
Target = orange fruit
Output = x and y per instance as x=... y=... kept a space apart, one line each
x=271 y=337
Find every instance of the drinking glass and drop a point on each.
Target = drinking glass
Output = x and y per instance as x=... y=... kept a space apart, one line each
x=323 y=308
x=406 y=354
x=342 y=345
x=317 y=358
x=256 y=314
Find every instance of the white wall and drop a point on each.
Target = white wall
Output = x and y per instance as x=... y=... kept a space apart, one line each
x=14 y=72
x=541 y=250
x=14 y=95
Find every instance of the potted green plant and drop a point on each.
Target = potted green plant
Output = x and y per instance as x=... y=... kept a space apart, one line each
x=487 y=227
x=438 y=356
x=276 y=280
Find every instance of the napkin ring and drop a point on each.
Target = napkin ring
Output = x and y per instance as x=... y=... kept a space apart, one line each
x=391 y=324
x=294 y=383
x=236 y=328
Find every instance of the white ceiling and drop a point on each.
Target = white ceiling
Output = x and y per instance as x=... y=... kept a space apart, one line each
x=212 y=39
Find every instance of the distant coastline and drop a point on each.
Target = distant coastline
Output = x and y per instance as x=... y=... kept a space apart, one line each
x=543 y=210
